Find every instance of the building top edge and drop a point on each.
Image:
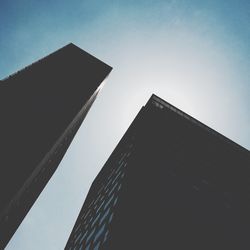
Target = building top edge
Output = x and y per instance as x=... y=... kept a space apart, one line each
x=67 y=46
x=161 y=104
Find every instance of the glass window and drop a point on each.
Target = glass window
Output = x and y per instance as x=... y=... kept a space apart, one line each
x=90 y=235
x=109 y=201
x=99 y=233
x=97 y=246
x=100 y=206
x=83 y=237
x=88 y=247
x=95 y=220
x=104 y=216
x=111 y=217
x=113 y=188
x=78 y=237
x=106 y=236
x=115 y=201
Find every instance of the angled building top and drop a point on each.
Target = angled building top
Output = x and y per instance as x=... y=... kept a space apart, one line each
x=70 y=48
x=162 y=104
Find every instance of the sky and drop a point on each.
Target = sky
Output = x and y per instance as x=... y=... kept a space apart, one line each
x=193 y=54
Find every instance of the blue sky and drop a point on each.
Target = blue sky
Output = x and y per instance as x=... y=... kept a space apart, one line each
x=194 y=54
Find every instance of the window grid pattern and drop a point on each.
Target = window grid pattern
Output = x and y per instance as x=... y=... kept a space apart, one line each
x=92 y=227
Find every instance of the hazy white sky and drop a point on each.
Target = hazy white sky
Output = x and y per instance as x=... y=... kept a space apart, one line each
x=194 y=54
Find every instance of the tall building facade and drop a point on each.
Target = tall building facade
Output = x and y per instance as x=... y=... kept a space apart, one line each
x=41 y=109
x=171 y=183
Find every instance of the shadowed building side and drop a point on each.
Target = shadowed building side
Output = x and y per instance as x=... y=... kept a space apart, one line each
x=171 y=183
x=41 y=109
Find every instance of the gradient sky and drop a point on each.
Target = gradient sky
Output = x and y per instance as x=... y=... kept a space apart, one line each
x=194 y=54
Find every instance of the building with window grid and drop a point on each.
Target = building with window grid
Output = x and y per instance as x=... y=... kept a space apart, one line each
x=171 y=183
x=41 y=109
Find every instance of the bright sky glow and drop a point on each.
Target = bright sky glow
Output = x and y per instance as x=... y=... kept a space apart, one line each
x=194 y=54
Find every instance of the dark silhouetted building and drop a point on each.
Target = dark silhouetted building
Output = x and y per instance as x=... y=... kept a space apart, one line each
x=171 y=183
x=41 y=109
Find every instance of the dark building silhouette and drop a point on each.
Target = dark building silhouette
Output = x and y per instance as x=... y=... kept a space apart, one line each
x=171 y=183
x=41 y=109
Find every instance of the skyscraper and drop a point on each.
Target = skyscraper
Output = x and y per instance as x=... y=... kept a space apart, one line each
x=171 y=183
x=41 y=109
